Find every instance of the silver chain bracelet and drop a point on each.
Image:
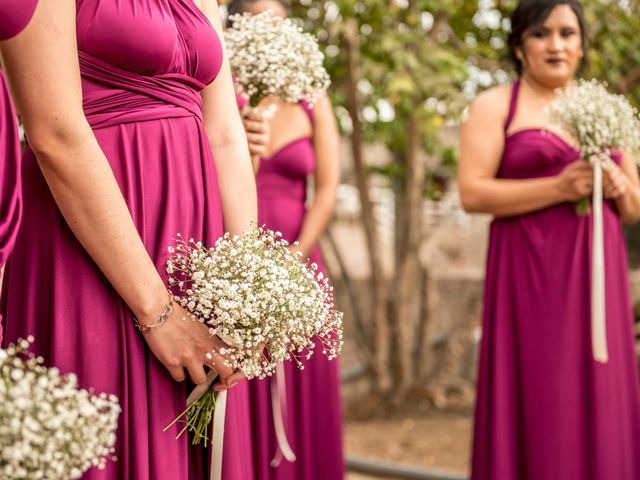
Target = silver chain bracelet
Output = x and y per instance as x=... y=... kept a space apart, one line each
x=159 y=321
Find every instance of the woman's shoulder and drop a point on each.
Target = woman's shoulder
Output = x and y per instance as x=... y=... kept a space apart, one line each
x=492 y=104
x=495 y=99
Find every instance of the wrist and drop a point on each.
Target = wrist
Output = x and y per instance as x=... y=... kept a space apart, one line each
x=160 y=319
x=560 y=192
x=152 y=304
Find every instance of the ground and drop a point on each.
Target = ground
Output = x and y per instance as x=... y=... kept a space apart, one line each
x=413 y=434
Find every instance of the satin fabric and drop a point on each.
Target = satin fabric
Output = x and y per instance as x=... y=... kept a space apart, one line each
x=545 y=409
x=143 y=65
x=14 y=17
x=313 y=417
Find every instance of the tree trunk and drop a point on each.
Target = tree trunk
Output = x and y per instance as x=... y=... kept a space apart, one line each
x=381 y=329
x=407 y=272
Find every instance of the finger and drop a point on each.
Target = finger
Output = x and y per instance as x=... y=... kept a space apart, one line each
x=581 y=165
x=235 y=378
x=254 y=115
x=256 y=151
x=257 y=138
x=255 y=126
x=177 y=373
x=217 y=362
x=230 y=382
x=196 y=372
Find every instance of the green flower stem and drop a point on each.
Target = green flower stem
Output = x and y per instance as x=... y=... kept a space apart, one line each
x=200 y=415
x=583 y=207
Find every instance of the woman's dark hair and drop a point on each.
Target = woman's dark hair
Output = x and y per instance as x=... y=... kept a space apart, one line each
x=533 y=13
x=241 y=6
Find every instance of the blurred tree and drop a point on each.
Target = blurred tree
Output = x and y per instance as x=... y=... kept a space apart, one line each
x=402 y=70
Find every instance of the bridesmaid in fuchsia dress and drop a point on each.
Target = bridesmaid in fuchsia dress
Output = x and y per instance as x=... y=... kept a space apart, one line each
x=546 y=409
x=14 y=17
x=141 y=142
x=304 y=142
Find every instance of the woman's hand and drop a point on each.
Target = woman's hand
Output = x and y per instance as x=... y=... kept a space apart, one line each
x=615 y=182
x=258 y=132
x=183 y=343
x=576 y=181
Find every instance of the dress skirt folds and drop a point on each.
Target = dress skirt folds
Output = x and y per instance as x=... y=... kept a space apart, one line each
x=14 y=17
x=143 y=64
x=312 y=415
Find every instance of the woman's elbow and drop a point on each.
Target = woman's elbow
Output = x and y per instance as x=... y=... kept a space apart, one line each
x=50 y=137
x=327 y=197
x=471 y=203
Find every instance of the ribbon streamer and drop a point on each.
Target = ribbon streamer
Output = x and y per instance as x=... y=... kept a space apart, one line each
x=217 y=439
x=278 y=411
x=598 y=320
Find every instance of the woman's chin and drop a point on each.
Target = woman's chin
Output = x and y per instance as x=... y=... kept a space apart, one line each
x=555 y=77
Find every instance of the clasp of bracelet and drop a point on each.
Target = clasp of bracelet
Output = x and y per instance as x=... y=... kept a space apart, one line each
x=168 y=310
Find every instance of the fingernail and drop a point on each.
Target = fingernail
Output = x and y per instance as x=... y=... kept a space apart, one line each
x=234 y=383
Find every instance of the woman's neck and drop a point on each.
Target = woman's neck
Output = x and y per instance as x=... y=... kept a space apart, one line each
x=540 y=89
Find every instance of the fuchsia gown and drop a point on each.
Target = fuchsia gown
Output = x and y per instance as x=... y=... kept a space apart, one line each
x=545 y=409
x=143 y=64
x=313 y=413
x=14 y=17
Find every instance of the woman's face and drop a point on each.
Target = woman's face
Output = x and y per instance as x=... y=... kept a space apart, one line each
x=550 y=53
x=264 y=5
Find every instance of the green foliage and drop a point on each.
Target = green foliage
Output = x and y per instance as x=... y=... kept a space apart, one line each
x=418 y=57
x=403 y=66
x=614 y=55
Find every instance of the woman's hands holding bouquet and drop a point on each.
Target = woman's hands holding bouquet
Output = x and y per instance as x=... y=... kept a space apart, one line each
x=576 y=181
x=183 y=343
x=257 y=127
x=615 y=183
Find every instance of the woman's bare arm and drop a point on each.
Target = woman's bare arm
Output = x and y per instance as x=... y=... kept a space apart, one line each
x=326 y=141
x=481 y=147
x=42 y=68
x=623 y=185
x=229 y=143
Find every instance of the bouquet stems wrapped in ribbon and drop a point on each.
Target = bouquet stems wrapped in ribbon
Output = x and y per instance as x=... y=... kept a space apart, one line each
x=602 y=123
x=272 y=56
x=49 y=427
x=256 y=295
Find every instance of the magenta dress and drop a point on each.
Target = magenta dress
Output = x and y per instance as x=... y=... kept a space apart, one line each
x=545 y=409
x=143 y=64
x=14 y=17
x=313 y=415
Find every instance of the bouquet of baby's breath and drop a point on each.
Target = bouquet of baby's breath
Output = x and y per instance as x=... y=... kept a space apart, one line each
x=272 y=56
x=601 y=122
x=256 y=295
x=50 y=428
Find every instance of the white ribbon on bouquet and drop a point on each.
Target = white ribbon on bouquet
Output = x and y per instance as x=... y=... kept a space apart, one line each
x=278 y=410
x=278 y=406
x=217 y=439
x=598 y=320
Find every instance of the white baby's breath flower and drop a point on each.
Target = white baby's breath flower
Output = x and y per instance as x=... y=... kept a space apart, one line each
x=270 y=55
x=255 y=294
x=599 y=121
x=49 y=428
